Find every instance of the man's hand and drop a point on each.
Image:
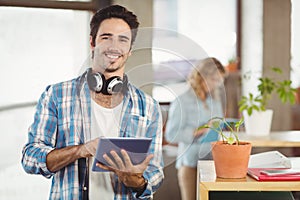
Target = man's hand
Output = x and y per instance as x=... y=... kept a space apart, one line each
x=89 y=149
x=131 y=175
x=59 y=158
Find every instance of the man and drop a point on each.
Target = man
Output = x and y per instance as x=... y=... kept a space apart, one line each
x=72 y=115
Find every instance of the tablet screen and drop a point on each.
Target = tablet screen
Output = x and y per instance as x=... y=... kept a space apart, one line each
x=137 y=149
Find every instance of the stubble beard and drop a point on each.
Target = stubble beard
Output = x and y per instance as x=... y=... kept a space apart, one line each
x=106 y=66
x=113 y=69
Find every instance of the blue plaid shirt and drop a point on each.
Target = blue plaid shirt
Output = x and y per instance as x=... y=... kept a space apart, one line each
x=63 y=118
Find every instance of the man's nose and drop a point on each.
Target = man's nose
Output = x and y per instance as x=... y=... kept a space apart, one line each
x=114 y=43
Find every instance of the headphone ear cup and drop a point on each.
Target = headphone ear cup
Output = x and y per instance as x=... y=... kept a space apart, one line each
x=98 y=83
x=125 y=84
x=95 y=81
x=114 y=85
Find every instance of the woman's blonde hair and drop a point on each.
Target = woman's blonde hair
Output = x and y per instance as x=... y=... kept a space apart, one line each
x=204 y=70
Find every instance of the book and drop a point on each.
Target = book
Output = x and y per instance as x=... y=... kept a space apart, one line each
x=260 y=174
x=137 y=149
x=269 y=159
x=277 y=172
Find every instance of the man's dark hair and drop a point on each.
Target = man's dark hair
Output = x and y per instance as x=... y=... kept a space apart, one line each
x=114 y=11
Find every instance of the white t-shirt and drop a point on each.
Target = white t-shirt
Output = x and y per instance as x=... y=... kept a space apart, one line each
x=106 y=123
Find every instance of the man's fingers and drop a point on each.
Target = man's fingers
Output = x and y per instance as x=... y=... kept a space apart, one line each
x=118 y=160
x=126 y=158
x=147 y=160
x=103 y=166
x=124 y=164
x=109 y=161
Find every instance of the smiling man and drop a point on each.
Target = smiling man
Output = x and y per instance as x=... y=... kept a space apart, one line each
x=71 y=116
x=112 y=46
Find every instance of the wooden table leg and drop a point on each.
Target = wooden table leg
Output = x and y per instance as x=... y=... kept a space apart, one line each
x=204 y=193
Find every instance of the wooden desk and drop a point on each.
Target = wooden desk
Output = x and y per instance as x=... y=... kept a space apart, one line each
x=206 y=177
x=274 y=139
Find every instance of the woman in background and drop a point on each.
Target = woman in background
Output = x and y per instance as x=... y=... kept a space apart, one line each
x=187 y=112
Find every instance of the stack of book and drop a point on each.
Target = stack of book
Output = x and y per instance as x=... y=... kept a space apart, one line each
x=274 y=174
x=272 y=166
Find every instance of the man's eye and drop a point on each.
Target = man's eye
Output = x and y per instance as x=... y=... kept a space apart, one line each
x=124 y=40
x=104 y=38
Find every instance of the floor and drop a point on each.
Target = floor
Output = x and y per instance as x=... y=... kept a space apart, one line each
x=169 y=189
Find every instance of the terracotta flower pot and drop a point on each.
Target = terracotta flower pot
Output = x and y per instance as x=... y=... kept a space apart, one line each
x=231 y=161
x=232 y=67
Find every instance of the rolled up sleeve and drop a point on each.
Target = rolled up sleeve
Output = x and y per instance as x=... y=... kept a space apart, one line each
x=41 y=136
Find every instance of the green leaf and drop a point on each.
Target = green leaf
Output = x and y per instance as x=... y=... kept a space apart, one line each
x=255 y=107
x=216 y=124
x=266 y=86
x=233 y=128
x=250 y=111
x=292 y=98
x=277 y=70
x=243 y=107
x=230 y=140
x=203 y=126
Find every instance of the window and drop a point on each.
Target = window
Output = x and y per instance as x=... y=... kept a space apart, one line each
x=295 y=45
x=38 y=47
x=187 y=31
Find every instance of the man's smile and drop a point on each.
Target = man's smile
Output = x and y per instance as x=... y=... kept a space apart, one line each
x=113 y=56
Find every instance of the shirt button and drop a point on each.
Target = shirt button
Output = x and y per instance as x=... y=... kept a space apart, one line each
x=84 y=188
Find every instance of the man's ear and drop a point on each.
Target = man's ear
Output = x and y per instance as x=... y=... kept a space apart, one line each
x=92 y=45
x=130 y=50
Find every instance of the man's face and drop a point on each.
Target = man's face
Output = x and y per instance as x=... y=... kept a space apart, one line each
x=112 y=45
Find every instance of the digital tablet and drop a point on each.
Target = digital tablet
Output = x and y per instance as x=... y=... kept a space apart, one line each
x=137 y=149
x=282 y=172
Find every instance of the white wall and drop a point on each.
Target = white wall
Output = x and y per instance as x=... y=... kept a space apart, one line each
x=295 y=62
x=252 y=38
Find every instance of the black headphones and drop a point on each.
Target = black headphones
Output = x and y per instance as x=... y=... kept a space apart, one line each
x=98 y=83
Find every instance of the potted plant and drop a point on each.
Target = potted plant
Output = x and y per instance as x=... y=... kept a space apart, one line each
x=230 y=155
x=232 y=65
x=257 y=118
